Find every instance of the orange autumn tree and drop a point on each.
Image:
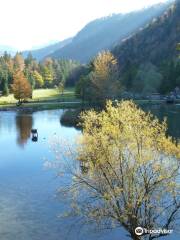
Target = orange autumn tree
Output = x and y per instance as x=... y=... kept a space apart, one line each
x=21 y=87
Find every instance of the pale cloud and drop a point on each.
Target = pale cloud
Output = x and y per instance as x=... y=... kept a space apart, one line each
x=28 y=23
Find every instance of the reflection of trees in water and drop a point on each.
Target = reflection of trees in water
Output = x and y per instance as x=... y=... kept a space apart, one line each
x=172 y=113
x=6 y=122
x=24 y=125
x=70 y=118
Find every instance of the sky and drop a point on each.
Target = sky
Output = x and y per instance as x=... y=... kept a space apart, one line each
x=27 y=24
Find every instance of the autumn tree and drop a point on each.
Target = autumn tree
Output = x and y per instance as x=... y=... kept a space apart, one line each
x=125 y=171
x=47 y=76
x=39 y=81
x=21 y=87
x=19 y=63
x=105 y=76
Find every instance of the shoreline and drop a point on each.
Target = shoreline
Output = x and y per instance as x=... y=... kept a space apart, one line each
x=48 y=105
x=32 y=107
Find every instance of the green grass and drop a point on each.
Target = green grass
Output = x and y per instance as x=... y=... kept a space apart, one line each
x=53 y=94
x=44 y=99
x=7 y=100
x=43 y=95
x=51 y=99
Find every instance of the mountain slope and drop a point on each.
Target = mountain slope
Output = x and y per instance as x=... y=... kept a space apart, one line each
x=155 y=43
x=106 y=32
x=39 y=54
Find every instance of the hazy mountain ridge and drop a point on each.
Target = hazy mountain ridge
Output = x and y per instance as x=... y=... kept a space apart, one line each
x=8 y=49
x=104 y=33
x=41 y=53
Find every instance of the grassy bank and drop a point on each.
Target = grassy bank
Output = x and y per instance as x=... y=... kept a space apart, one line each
x=44 y=99
x=54 y=94
x=53 y=99
x=43 y=95
x=41 y=106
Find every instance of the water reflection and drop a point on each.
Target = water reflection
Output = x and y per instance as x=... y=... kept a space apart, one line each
x=24 y=125
x=7 y=122
x=70 y=118
x=171 y=113
x=25 y=183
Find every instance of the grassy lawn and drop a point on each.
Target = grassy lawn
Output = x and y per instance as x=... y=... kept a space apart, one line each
x=44 y=95
x=53 y=94
x=7 y=100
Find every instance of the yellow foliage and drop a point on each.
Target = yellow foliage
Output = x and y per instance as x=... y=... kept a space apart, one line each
x=132 y=168
x=132 y=163
x=103 y=63
x=105 y=76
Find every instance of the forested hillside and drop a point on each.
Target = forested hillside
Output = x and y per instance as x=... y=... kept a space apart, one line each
x=149 y=59
x=104 y=33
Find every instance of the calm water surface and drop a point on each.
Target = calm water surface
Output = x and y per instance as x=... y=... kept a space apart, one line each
x=28 y=207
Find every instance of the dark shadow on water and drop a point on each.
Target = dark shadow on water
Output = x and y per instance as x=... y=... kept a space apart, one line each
x=70 y=118
x=171 y=113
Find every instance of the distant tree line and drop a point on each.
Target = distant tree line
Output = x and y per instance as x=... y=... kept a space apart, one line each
x=47 y=74
x=103 y=78
x=107 y=79
x=148 y=78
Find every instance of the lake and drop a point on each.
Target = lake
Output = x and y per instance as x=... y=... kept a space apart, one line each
x=29 y=207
